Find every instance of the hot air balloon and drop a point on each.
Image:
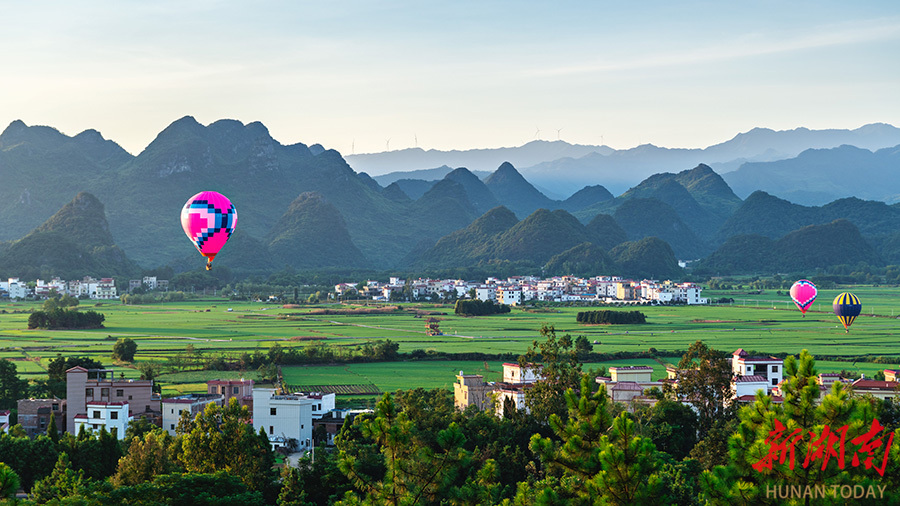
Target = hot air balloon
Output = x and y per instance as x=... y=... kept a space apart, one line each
x=847 y=307
x=208 y=219
x=803 y=293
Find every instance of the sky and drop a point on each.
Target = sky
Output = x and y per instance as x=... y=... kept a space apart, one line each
x=370 y=76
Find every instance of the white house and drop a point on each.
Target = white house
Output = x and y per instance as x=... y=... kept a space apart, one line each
x=514 y=373
x=510 y=296
x=771 y=369
x=485 y=293
x=321 y=403
x=286 y=419
x=112 y=415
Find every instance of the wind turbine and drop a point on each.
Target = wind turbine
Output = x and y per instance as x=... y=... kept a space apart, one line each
x=557 y=133
x=537 y=133
x=387 y=144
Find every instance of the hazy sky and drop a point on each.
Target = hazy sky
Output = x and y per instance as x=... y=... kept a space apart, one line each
x=352 y=75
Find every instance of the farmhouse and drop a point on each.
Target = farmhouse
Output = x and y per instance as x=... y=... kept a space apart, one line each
x=99 y=415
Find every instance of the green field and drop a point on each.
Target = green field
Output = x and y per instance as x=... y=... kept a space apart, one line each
x=764 y=322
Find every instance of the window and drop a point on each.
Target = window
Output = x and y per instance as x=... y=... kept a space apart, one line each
x=104 y=392
x=774 y=368
x=774 y=382
x=173 y=411
x=301 y=425
x=235 y=390
x=89 y=392
x=96 y=414
x=271 y=430
x=172 y=426
x=56 y=407
x=120 y=393
x=114 y=415
x=272 y=411
x=129 y=397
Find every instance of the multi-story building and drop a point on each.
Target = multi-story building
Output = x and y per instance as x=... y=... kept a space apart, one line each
x=771 y=369
x=514 y=373
x=34 y=415
x=106 y=289
x=240 y=389
x=84 y=386
x=4 y=420
x=286 y=419
x=625 y=384
x=99 y=415
x=193 y=404
x=510 y=296
x=471 y=390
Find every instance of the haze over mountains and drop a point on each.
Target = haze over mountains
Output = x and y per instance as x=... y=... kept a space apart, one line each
x=565 y=168
x=305 y=207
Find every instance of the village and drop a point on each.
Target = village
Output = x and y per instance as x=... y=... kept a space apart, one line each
x=296 y=422
x=517 y=290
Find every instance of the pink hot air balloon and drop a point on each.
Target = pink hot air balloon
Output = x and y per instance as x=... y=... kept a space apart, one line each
x=208 y=219
x=804 y=294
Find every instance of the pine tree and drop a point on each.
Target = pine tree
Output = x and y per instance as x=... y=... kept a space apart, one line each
x=754 y=470
x=602 y=461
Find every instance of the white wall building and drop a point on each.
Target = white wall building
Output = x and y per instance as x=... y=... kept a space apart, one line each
x=514 y=373
x=112 y=415
x=283 y=417
x=770 y=369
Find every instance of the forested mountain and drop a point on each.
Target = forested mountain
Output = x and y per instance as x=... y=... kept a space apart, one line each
x=515 y=193
x=312 y=234
x=344 y=219
x=808 y=248
x=75 y=242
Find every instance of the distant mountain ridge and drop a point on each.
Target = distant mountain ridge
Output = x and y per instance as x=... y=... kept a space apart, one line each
x=564 y=168
x=303 y=207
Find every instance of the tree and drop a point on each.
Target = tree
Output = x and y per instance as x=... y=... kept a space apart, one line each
x=556 y=362
x=412 y=472
x=704 y=380
x=124 y=349
x=797 y=454
x=9 y=482
x=583 y=347
x=147 y=458
x=222 y=439
x=602 y=461
x=62 y=482
x=11 y=387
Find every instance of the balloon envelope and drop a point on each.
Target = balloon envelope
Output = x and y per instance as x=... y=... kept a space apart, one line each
x=847 y=307
x=208 y=219
x=803 y=293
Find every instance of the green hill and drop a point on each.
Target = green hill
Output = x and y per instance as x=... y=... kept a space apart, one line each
x=515 y=193
x=650 y=258
x=584 y=260
x=476 y=191
x=642 y=218
x=470 y=244
x=808 y=248
x=586 y=197
x=312 y=234
x=75 y=242
x=607 y=233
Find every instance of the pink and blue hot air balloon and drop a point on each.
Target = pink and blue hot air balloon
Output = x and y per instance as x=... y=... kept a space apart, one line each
x=208 y=219
x=803 y=293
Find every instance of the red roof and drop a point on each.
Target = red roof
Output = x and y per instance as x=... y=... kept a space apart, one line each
x=633 y=368
x=870 y=384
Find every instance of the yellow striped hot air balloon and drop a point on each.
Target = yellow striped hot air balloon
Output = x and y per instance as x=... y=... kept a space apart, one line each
x=847 y=307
